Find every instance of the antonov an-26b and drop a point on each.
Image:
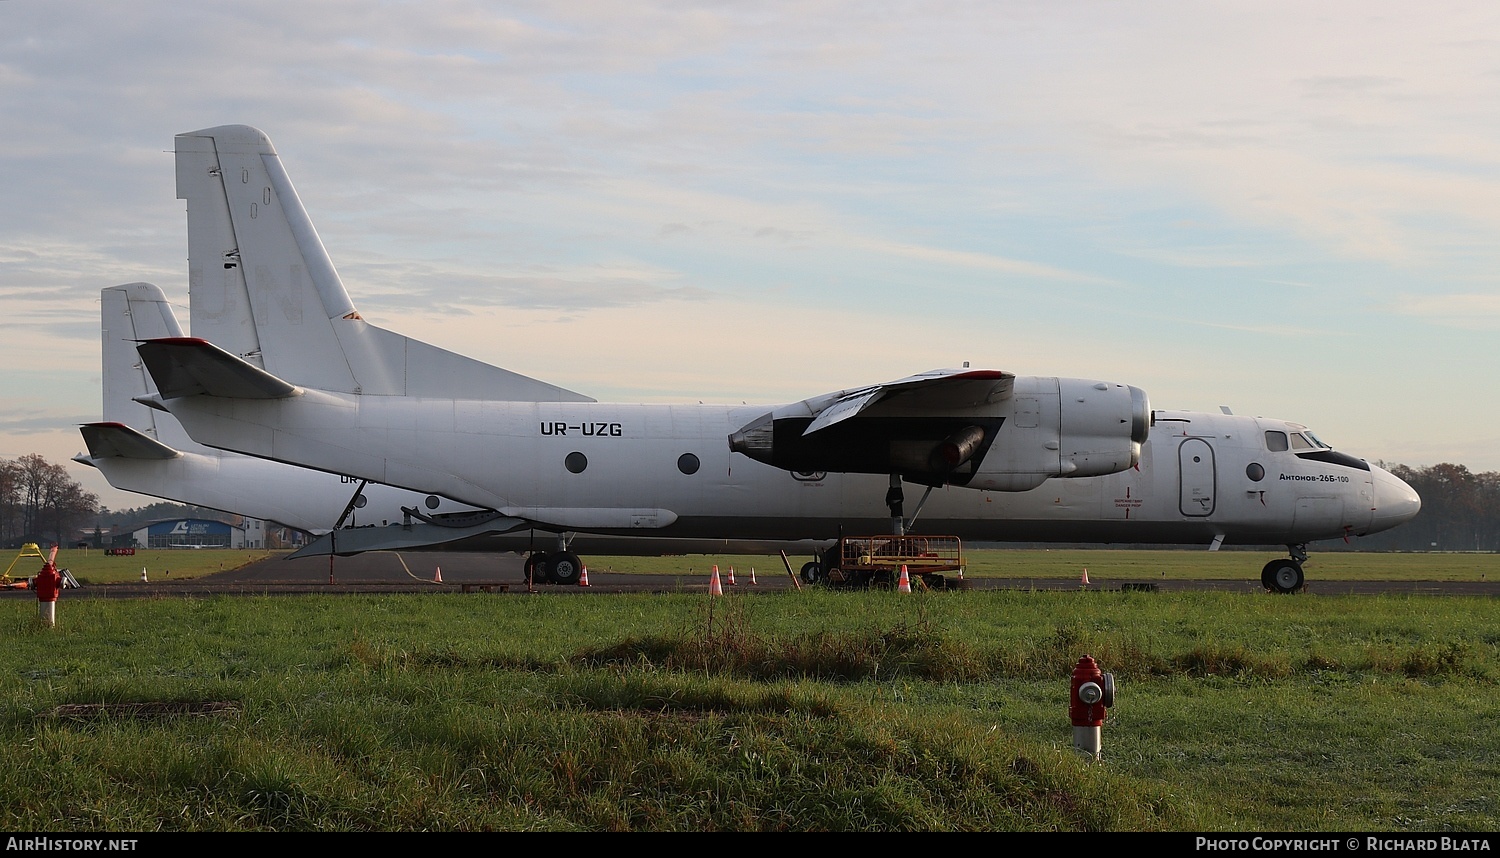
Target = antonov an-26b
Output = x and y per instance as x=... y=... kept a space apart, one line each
x=281 y=366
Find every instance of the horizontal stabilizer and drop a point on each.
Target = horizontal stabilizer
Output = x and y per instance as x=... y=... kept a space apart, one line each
x=116 y=440
x=185 y=366
x=938 y=389
x=397 y=537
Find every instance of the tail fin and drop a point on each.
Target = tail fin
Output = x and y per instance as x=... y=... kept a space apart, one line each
x=145 y=450
x=127 y=315
x=264 y=289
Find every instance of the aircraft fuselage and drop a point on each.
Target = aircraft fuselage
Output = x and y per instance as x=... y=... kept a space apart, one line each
x=1202 y=478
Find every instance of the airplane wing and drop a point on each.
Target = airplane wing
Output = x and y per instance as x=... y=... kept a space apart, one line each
x=981 y=427
x=184 y=366
x=937 y=389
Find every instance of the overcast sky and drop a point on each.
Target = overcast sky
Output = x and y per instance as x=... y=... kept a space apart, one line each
x=1290 y=209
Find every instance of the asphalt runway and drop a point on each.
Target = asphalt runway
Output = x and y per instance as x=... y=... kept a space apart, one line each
x=502 y=573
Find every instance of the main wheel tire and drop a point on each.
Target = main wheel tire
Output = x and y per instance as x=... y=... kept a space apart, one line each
x=1282 y=576
x=536 y=568
x=564 y=567
x=812 y=573
x=1268 y=575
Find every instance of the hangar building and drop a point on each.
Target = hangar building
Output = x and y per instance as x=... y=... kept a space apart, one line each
x=201 y=533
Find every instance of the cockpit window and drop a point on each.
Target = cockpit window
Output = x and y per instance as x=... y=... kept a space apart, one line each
x=1301 y=443
x=1275 y=441
x=1316 y=441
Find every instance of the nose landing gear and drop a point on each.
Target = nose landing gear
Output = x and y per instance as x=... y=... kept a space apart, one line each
x=1285 y=575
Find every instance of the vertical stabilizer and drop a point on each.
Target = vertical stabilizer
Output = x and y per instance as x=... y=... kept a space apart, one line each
x=260 y=281
x=263 y=287
x=128 y=314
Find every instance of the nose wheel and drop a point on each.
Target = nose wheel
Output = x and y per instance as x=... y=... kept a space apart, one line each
x=1282 y=576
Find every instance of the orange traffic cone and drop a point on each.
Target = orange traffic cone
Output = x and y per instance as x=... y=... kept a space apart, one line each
x=752 y=575
x=437 y=576
x=143 y=576
x=905 y=584
x=714 y=589
x=731 y=576
x=1085 y=581
x=583 y=577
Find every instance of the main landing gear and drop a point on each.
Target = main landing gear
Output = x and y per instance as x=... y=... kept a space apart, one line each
x=1285 y=576
x=554 y=567
x=816 y=571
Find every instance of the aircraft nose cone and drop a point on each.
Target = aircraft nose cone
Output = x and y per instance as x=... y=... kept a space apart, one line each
x=1395 y=501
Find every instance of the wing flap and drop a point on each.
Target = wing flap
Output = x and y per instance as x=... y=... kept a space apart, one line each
x=843 y=408
x=186 y=366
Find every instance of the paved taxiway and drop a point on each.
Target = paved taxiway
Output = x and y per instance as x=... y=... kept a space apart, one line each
x=479 y=572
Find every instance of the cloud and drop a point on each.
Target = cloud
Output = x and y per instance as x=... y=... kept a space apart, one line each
x=1471 y=311
x=750 y=199
x=416 y=286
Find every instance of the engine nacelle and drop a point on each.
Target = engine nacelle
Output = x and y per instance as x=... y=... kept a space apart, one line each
x=1045 y=427
x=1065 y=427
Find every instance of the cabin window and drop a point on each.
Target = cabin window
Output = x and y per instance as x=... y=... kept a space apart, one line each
x=1276 y=441
x=1255 y=472
x=432 y=502
x=576 y=462
x=687 y=463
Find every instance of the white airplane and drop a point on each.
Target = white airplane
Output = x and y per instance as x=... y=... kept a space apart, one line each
x=289 y=371
x=143 y=450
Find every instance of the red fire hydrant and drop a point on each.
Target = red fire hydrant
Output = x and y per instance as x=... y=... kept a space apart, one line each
x=1093 y=693
x=47 y=583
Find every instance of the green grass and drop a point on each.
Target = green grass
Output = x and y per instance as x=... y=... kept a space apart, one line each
x=1111 y=565
x=93 y=566
x=1105 y=566
x=798 y=711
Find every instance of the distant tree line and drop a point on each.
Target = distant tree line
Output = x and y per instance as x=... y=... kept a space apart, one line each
x=1460 y=512
x=40 y=503
x=135 y=518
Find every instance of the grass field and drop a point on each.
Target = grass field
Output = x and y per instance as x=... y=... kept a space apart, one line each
x=799 y=711
x=93 y=566
x=1103 y=565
